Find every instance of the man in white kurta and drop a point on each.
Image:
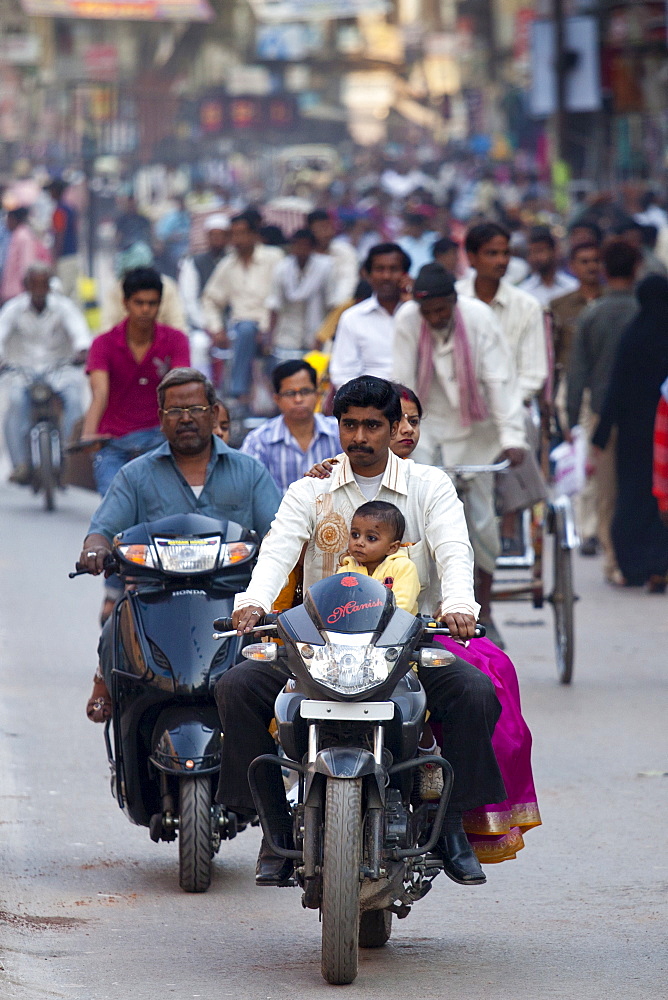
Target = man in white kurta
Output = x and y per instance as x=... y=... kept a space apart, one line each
x=317 y=513
x=449 y=435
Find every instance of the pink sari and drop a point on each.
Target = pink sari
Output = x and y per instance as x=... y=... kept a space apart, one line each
x=495 y=831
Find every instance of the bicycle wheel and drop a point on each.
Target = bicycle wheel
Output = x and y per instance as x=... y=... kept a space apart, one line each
x=563 y=601
x=46 y=472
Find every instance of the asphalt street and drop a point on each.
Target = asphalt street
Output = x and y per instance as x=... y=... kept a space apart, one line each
x=90 y=908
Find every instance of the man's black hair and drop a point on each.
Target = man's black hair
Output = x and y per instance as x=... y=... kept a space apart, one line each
x=482 y=233
x=588 y=245
x=406 y=393
x=620 y=259
x=591 y=225
x=542 y=234
x=303 y=234
x=363 y=290
x=18 y=215
x=381 y=250
x=141 y=279
x=317 y=215
x=444 y=245
x=386 y=512
x=251 y=217
x=368 y=390
x=290 y=368
x=272 y=236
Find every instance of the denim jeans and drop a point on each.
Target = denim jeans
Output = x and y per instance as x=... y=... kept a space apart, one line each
x=243 y=334
x=113 y=456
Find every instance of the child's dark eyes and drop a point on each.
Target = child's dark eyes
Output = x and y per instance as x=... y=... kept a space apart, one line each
x=354 y=534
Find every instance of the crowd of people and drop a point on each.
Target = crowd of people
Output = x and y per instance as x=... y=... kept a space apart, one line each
x=510 y=327
x=352 y=357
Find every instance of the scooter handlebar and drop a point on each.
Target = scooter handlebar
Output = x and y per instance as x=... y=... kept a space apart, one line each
x=109 y=563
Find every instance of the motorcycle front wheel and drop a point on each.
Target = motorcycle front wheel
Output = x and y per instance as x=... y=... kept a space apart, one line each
x=46 y=473
x=195 y=849
x=342 y=853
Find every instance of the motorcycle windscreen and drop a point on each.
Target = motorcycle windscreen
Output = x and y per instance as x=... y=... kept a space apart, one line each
x=349 y=602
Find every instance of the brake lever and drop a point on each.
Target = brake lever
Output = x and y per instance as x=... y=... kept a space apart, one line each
x=265 y=629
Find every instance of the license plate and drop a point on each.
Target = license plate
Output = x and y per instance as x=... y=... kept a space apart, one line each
x=373 y=711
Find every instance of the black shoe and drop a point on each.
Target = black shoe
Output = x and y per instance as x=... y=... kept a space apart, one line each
x=589 y=546
x=459 y=860
x=270 y=868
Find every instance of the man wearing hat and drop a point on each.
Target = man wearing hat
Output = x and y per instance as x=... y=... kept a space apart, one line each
x=453 y=353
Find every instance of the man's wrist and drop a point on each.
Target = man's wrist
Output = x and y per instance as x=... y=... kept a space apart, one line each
x=245 y=601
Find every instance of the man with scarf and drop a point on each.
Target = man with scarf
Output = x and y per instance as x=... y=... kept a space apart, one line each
x=453 y=353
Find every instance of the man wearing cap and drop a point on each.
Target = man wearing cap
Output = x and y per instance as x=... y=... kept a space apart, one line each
x=194 y=273
x=453 y=353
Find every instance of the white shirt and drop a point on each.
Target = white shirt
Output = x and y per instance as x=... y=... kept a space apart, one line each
x=369 y=485
x=39 y=340
x=345 y=271
x=481 y=442
x=521 y=319
x=301 y=298
x=363 y=343
x=563 y=283
x=318 y=512
x=244 y=288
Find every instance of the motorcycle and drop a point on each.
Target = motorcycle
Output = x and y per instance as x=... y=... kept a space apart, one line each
x=46 y=454
x=349 y=723
x=163 y=739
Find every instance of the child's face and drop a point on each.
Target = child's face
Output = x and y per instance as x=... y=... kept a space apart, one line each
x=371 y=541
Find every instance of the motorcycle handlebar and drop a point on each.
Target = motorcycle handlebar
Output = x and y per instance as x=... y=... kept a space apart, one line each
x=431 y=630
x=109 y=563
x=227 y=625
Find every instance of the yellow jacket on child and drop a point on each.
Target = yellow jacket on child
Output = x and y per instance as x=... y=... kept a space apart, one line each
x=396 y=572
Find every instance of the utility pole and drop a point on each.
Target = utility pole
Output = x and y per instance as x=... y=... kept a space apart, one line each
x=560 y=65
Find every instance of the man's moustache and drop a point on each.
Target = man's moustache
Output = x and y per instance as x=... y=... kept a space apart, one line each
x=366 y=451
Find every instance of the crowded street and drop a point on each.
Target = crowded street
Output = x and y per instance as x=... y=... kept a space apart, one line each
x=92 y=909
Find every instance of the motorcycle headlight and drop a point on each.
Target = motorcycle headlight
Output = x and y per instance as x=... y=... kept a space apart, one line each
x=348 y=664
x=141 y=555
x=188 y=555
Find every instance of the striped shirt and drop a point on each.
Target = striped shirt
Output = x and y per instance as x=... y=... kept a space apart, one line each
x=277 y=449
x=660 y=488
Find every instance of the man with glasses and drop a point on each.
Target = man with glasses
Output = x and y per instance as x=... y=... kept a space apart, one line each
x=193 y=471
x=290 y=444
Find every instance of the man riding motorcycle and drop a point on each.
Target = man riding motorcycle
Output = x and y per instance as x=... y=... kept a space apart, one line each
x=41 y=331
x=194 y=470
x=317 y=514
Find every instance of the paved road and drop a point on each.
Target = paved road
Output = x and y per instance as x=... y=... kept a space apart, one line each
x=91 y=908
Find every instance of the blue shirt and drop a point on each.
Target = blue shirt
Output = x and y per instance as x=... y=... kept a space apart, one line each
x=274 y=446
x=152 y=486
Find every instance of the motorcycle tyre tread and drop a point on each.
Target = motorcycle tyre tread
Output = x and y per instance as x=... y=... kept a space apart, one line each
x=342 y=853
x=194 y=837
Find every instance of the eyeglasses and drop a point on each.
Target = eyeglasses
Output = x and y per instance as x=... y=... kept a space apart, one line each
x=293 y=393
x=176 y=412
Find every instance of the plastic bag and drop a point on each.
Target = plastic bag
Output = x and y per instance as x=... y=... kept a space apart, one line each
x=570 y=462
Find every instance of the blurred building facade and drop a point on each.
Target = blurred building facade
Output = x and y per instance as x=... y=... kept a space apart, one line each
x=174 y=80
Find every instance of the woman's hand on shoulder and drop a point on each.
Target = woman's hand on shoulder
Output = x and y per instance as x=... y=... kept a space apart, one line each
x=322 y=470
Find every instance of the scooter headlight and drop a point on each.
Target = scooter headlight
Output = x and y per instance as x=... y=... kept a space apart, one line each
x=348 y=664
x=188 y=555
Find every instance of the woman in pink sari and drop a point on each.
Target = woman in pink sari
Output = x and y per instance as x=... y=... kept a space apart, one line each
x=495 y=830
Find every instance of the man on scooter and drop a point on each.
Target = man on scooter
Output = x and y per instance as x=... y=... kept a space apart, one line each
x=317 y=514
x=194 y=470
x=42 y=331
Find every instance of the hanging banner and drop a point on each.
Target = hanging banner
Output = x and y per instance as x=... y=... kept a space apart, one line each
x=122 y=10
x=315 y=10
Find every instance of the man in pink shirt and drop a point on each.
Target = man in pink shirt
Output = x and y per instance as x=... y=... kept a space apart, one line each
x=125 y=367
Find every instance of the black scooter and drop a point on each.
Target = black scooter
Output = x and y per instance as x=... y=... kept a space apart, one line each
x=349 y=723
x=164 y=739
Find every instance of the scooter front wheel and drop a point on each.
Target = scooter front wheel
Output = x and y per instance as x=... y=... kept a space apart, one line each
x=195 y=846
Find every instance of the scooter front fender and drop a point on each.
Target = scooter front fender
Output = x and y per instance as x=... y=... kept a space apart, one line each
x=187 y=740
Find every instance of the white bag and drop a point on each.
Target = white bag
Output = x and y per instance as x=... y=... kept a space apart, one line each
x=570 y=462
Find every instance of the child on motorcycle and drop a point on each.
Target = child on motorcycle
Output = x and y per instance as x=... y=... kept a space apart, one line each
x=374 y=548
